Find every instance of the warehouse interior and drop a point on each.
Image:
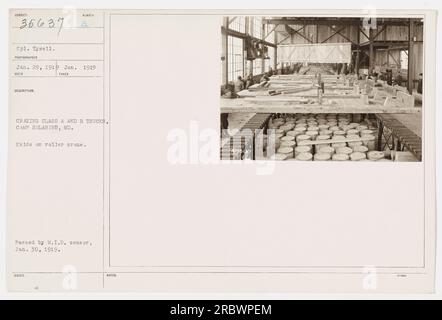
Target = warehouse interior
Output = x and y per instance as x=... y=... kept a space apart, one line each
x=321 y=88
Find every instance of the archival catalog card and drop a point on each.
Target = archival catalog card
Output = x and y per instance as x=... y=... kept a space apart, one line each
x=221 y=151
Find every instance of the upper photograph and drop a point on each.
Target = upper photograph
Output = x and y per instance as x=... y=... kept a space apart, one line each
x=321 y=88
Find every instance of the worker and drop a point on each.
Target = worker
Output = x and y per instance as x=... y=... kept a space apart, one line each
x=398 y=79
x=239 y=84
x=375 y=76
x=389 y=76
x=338 y=68
x=382 y=76
x=249 y=81
x=224 y=121
x=350 y=69
x=420 y=83
x=264 y=79
x=227 y=92
x=292 y=68
x=279 y=67
x=345 y=69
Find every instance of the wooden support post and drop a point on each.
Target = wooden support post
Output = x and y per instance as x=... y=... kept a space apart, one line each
x=371 y=53
x=398 y=145
x=357 y=54
x=410 y=70
x=247 y=63
x=251 y=65
x=388 y=57
x=263 y=30
x=275 y=58
x=317 y=33
x=357 y=62
x=247 y=25
x=225 y=54
x=380 y=134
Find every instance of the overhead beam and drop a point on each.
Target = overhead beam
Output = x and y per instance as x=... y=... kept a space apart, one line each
x=370 y=52
x=390 y=43
x=322 y=21
x=238 y=34
x=331 y=21
x=397 y=47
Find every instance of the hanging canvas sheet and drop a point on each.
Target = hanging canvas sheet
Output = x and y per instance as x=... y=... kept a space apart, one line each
x=315 y=53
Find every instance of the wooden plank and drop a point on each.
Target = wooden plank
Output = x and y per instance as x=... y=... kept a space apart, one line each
x=295 y=90
x=291 y=82
x=244 y=105
x=300 y=91
x=333 y=100
x=330 y=141
x=265 y=91
x=247 y=93
x=287 y=96
x=304 y=81
x=308 y=76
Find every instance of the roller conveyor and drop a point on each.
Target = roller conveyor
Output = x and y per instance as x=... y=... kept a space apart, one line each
x=239 y=144
x=400 y=136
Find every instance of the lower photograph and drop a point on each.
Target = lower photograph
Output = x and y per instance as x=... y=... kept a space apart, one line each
x=319 y=137
x=322 y=88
